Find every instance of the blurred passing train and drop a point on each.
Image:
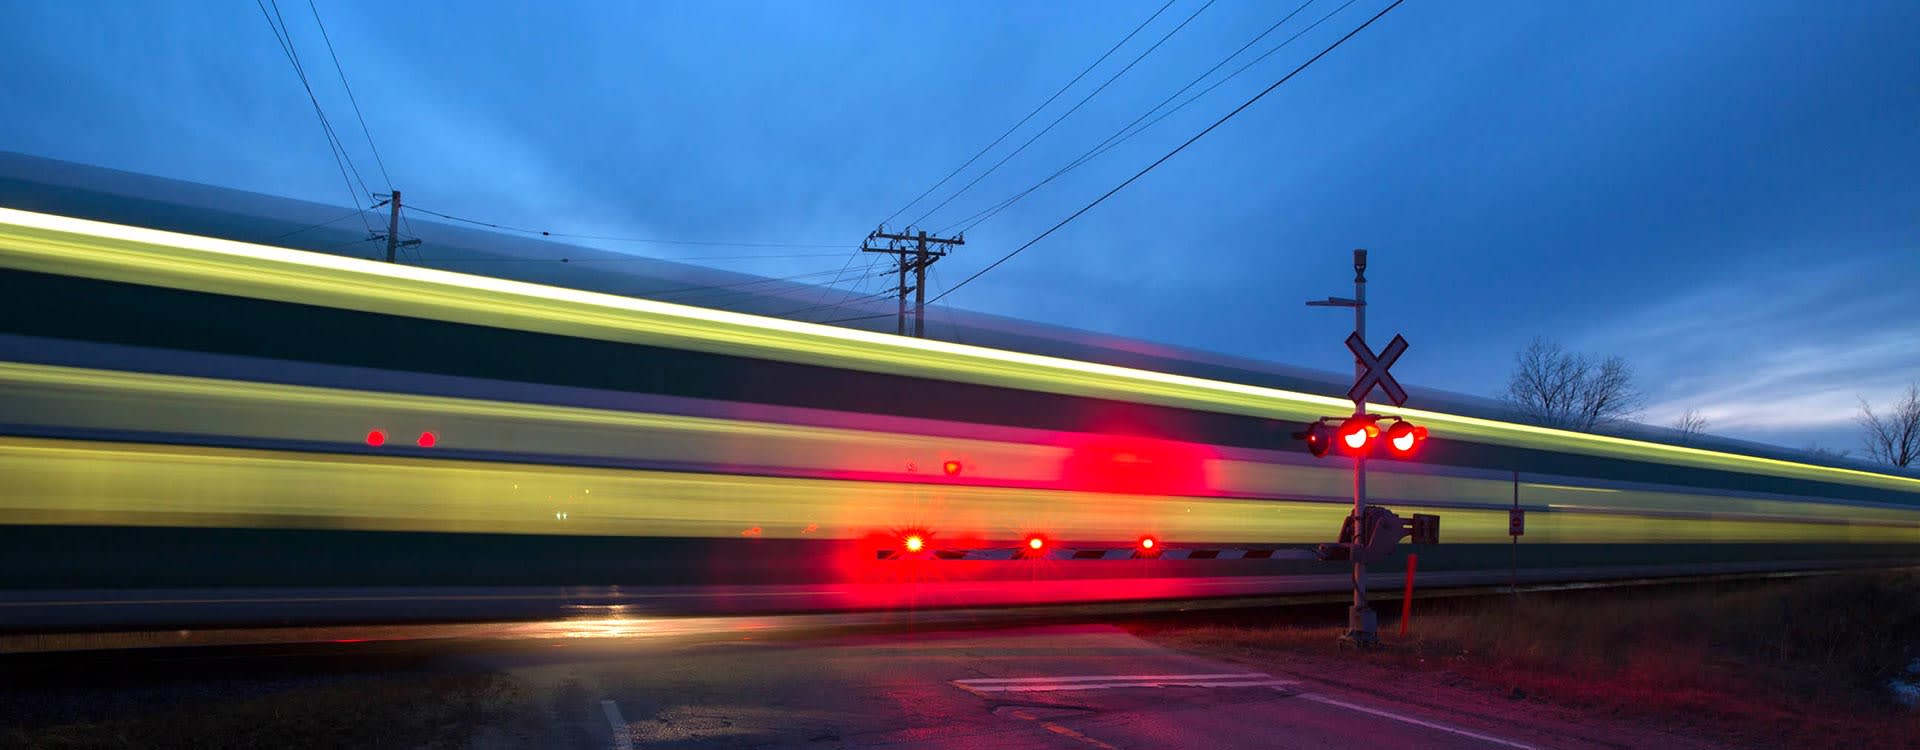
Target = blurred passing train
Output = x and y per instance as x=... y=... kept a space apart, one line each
x=183 y=416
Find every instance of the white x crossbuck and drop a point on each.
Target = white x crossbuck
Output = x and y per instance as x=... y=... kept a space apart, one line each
x=1374 y=369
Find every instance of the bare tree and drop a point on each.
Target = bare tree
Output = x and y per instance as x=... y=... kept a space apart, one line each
x=1690 y=423
x=1895 y=438
x=1554 y=387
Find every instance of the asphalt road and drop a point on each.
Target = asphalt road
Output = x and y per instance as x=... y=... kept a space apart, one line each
x=1074 y=686
x=634 y=682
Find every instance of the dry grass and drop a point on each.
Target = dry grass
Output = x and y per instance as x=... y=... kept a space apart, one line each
x=1805 y=659
x=401 y=711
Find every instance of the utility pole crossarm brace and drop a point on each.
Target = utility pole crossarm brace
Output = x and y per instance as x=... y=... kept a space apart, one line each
x=924 y=251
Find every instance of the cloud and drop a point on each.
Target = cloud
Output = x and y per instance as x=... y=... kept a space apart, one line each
x=1786 y=348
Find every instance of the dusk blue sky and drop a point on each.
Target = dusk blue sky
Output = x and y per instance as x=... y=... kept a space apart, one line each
x=1724 y=193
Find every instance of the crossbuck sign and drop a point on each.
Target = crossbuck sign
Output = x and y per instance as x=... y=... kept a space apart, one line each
x=1374 y=369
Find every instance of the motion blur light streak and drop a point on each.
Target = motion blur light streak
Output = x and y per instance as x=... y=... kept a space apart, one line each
x=587 y=439
x=67 y=482
x=53 y=244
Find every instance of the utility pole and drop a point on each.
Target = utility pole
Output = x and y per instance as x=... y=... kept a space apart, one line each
x=912 y=251
x=394 y=243
x=393 y=225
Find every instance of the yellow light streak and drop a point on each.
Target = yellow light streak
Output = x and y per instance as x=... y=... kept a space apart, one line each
x=107 y=400
x=1566 y=487
x=62 y=245
x=122 y=484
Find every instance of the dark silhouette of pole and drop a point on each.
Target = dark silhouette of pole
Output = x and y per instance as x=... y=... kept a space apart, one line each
x=915 y=252
x=393 y=225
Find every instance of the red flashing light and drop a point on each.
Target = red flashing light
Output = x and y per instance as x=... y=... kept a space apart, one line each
x=1146 y=543
x=376 y=438
x=1036 y=543
x=951 y=468
x=1356 y=435
x=1404 y=438
x=427 y=439
x=914 y=543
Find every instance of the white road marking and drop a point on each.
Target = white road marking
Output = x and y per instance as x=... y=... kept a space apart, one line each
x=1108 y=682
x=1111 y=677
x=1054 y=687
x=1411 y=720
x=622 y=735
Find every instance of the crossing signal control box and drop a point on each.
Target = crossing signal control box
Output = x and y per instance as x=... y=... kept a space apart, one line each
x=1426 y=529
x=1369 y=541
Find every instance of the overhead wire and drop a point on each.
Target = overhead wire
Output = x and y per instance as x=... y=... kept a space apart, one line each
x=738 y=287
x=617 y=238
x=1029 y=116
x=335 y=220
x=1170 y=154
x=636 y=258
x=1127 y=132
x=342 y=160
x=862 y=298
x=350 y=97
x=1063 y=116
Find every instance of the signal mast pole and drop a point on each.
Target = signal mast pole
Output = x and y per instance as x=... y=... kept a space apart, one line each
x=1362 y=623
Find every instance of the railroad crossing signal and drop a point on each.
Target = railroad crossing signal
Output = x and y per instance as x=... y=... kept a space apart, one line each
x=1358 y=435
x=1516 y=522
x=1375 y=369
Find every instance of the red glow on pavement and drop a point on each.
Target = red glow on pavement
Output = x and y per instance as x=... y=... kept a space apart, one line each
x=376 y=438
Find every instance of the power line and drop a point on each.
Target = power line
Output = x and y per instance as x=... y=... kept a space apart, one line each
x=1063 y=116
x=852 y=319
x=742 y=287
x=284 y=37
x=1122 y=135
x=1036 y=110
x=856 y=300
x=614 y=238
x=293 y=55
x=1177 y=149
x=335 y=220
x=635 y=259
x=849 y=295
x=350 y=97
